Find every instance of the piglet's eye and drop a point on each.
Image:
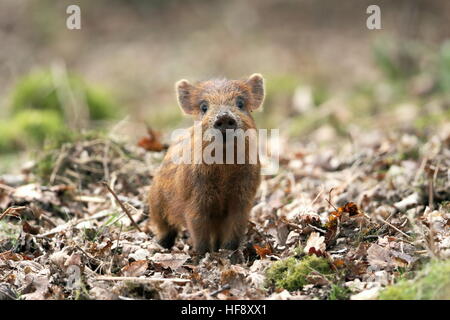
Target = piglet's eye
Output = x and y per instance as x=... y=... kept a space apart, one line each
x=204 y=106
x=240 y=103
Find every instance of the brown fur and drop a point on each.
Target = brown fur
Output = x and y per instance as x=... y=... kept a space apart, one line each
x=211 y=200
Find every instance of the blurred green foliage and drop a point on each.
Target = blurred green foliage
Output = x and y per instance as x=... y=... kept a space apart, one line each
x=166 y=117
x=39 y=106
x=280 y=90
x=396 y=61
x=444 y=67
x=41 y=91
x=431 y=283
x=411 y=76
x=39 y=102
x=36 y=125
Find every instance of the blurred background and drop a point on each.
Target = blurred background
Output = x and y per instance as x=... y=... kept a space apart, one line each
x=328 y=76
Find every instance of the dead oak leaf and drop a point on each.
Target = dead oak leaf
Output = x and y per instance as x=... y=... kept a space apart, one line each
x=12 y=211
x=315 y=244
x=135 y=269
x=379 y=257
x=75 y=259
x=168 y=260
x=28 y=228
x=351 y=208
x=37 y=289
x=151 y=142
x=262 y=252
x=339 y=263
x=9 y=255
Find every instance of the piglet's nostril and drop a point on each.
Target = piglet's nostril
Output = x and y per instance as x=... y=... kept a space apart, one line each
x=225 y=122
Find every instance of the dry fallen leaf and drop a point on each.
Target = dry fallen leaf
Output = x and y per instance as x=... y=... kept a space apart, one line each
x=8 y=255
x=378 y=257
x=12 y=211
x=152 y=142
x=168 y=260
x=27 y=228
x=38 y=288
x=263 y=251
x=315 y=244
x=135 y=269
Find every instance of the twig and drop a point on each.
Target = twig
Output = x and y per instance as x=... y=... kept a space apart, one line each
x=216 y=292
x=137 y=279
x=393 y=227
x=105 y=160
x=6 y=187
x=317 y=197
x=11 y=211
x=61 y=157
x=421 y=169
x=67 y=225
x=329 y=199
x=316 y=228
x=432 y=184
x=88 y=255
x=128 y=298
x=431 y=204
x=431 y=192
x=122 y=206
x=320 y=274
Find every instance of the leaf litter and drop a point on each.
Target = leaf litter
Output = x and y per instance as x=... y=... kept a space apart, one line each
x=370 y=213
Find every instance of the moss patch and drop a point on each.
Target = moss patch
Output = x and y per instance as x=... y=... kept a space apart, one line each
x=339 y=292
x=43 y=91
x=38 y=108
x=431 y=283
x=292 y=274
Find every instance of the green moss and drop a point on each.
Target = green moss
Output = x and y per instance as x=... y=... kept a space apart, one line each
x=298 y=251
x=339 y=292
x=100 y=103
x=41 y=91
x=38 y=109
x=35 y=91
x=34 y=126
x=30 y=128
x=431 y=283
x=8 y=141
x=292 y=274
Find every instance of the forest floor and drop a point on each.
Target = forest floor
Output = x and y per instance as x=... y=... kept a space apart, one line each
x=373 y=209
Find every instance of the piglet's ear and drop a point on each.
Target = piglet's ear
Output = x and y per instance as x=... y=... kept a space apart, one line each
x=256 y=84
x=184 y=93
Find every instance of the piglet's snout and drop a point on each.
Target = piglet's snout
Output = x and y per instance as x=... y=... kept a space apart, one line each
x=225 y=121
